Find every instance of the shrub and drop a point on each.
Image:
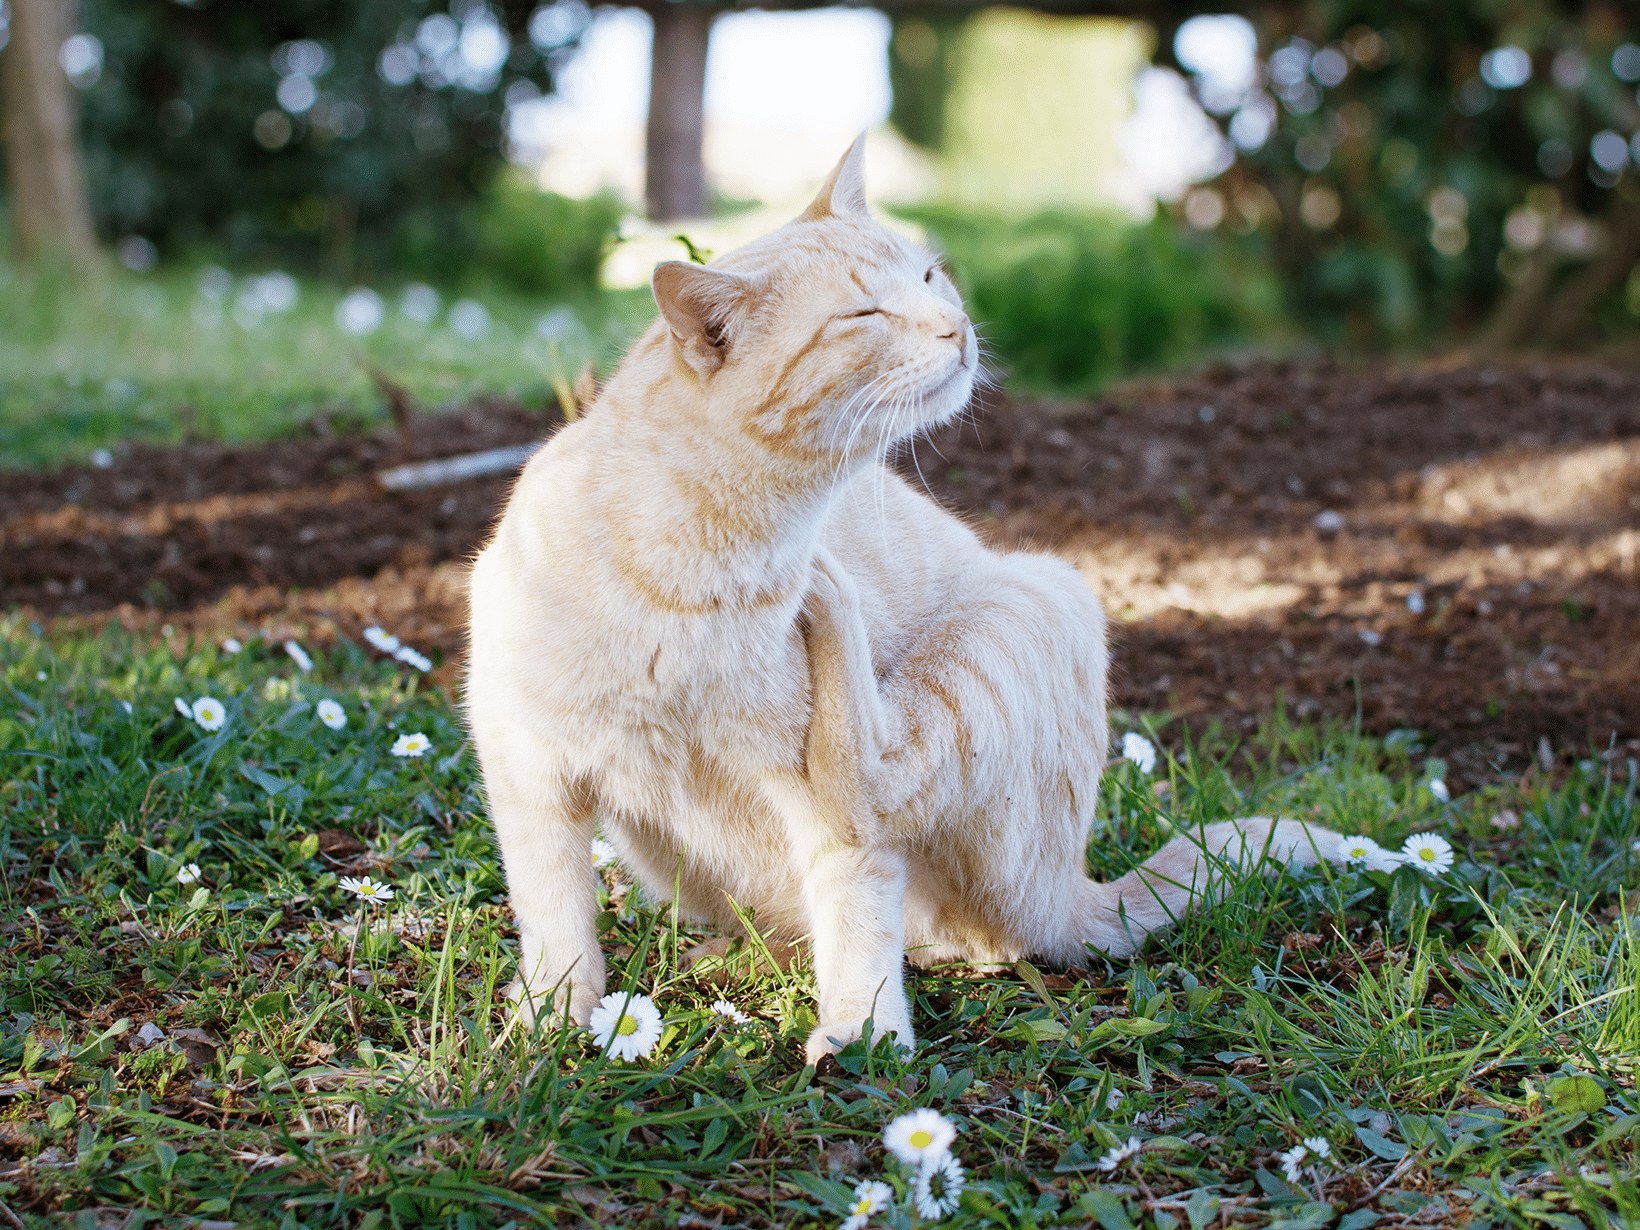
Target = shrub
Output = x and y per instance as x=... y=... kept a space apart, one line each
x=1067 y=301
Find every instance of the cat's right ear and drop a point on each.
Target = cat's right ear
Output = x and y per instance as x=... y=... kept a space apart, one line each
x=702 y=307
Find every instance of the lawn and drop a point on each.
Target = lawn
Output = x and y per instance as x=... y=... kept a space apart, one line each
x=197 y=352
x=204 y=1025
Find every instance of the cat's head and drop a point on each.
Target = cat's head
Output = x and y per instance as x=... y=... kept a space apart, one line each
x=827 y=339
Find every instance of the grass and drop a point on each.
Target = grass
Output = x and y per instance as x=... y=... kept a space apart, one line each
x=1466 y=1044
x=192 y=352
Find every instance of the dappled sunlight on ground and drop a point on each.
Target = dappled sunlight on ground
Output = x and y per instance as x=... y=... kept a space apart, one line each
x=1452 y=550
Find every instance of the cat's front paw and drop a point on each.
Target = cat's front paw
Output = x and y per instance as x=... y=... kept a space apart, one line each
x=549 y=1007
x=829 y=1039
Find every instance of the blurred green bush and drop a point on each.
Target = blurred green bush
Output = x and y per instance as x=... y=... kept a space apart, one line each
x=515 y=237
x=1068 y=301
x=322 y=134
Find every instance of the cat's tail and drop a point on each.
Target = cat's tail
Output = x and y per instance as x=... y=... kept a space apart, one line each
x=1116 y=917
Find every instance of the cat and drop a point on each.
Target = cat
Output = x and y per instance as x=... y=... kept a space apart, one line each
x=782 y=678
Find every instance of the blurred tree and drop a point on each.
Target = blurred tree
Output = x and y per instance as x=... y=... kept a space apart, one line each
x=675 y=184
x=48 y=202
x=343 y=131
x=1464 y=169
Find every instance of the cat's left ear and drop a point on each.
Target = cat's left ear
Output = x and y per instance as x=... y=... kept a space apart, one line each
x=843 y=195
x=702 y=306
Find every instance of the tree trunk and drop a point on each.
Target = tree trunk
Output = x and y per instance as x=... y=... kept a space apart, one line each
x=675 y=176
x=48 y=203
x=1520 y=311
x=1570 y=311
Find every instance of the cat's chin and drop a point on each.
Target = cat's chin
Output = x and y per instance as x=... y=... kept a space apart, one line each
x=945 y=400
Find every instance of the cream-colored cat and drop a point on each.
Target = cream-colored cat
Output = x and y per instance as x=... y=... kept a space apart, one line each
x=780 y=677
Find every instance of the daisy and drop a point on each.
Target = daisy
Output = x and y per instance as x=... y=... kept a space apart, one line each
x=209 y=712
x=366 y=889
x=1368 y=852
x=1428 y=852
x=920 y=1136
x=1437 y=787
x=181 y=707
x=188 y=874
x=869 y=1198
x=729 y=1013
x=1319 y=1146
x=411 y=745
x=626 y=1025
x=381 y=640
x=944 y=1172
x=231 y=646
x=1292 y=1163
x=604 y=854
x=332 y=714
x=299 y=656
x=1140 y=750
x=405 y=654
x=1120 y=1153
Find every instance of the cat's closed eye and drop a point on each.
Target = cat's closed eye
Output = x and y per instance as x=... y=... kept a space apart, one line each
x=866 y=312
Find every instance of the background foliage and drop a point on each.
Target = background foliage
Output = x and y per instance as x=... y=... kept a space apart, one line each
x=348 y=132
x=1071 y=300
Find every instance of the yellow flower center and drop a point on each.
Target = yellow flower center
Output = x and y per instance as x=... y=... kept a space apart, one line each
x=1427 y=854
x=921 y=1139
x=862 y=1206
x=628 y=1025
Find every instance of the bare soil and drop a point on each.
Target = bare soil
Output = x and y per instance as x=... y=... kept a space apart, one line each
x=1446 y=547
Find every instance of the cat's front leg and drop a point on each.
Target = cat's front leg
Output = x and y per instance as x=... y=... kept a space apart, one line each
x=544 y=826
x=853 y=877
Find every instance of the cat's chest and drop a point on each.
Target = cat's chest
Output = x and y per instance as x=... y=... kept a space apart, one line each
x=718 y=697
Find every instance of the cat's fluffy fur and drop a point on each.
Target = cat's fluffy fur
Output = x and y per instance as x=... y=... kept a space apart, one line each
x=780 y=677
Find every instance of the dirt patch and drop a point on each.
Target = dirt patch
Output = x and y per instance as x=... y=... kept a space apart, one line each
x=1453 y=550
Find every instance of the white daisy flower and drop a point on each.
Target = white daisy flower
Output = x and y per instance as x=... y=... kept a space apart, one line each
x=1319 y=1146
x=332 y=714
x=1120 y=1153
x=916 y=1137
x=627 y=1026
x=381 y=640
x=604 y=854
x=1428 y=852
x=1437 y=787
x=405 y=654
x=1292 y=1163
x=869 y=1197
x=411 y=745
x=730 y=1014
x=189 y=874
x=937 y=1189
x=1366 y=851
x=1140 y=750
x=366 y=889
x=126 y=705
x=299 y=656
x=209 y=712
x=231 y=646
x=181 y=706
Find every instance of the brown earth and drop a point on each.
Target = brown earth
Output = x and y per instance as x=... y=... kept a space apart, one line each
x=1451 y=548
